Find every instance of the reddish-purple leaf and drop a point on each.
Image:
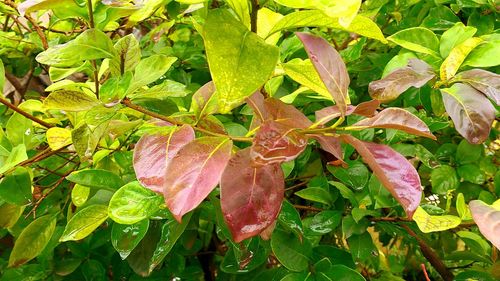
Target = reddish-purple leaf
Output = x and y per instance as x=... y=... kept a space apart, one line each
x=487 y=219
x=416 y=74
x=286 y=114
x=471 y=112
x=256 y=102
x=396 y=118
x=251 y=195
x=330 y=67
x=393 y=170
x=367 y=109
x=484 y=81
x=330 y=145
x=194 y=172
x=152 y=153
x=276 y=143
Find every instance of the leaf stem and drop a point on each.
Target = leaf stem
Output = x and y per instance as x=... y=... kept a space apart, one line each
x=253 y=15
x=312 y=129
x=91 y=13
x=24 y=113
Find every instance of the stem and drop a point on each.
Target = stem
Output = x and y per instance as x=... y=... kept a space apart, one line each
x=129 y=104
x=96 y=78
x=24 y=113
x=91 y=14
x=312 y=130
x=431 y=256
x=253 y=15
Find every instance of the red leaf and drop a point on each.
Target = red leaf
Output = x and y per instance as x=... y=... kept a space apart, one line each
x=487 y=219
x=194 y=172
x=286 y=114
x=393 y=171
x=416 y=74
x=484 y=81
x=330 y=67
x=152 y=153
x=471 y=112
x=330 y=145
x=250 y=196
x=396 y=118
x=276 y=143
x=367 y=109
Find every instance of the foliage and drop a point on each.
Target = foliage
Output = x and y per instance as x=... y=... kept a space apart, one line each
x=249 y=140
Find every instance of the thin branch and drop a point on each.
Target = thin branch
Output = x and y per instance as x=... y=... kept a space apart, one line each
x=24 y=113
x=37 y=28
x=296 y=186
x=431 y=256
x=308 y=208
x=425 y=272
x=253 y=15
x=91 y=13
x=37 y=158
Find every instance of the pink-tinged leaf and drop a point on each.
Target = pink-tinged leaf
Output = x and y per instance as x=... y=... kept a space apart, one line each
x=471 y=112
x=416 y=74
x=330 y=145
x=330 y=67
x=202 y=103
x=256 y=102
x=251 y=195
x=487 y=219
x=276 y=143
x=286 y=114
x=396 y=118
x=194 y=172
x=367 y=109
x=484 y=81
x=152 y=153
x=393 y=170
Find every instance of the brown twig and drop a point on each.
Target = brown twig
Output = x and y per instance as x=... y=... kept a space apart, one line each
x=296 y=186
x=37 y=158
x=431 y=256
x=253 y=15
x=37 y=28
x=308 y=208
x=24 y=113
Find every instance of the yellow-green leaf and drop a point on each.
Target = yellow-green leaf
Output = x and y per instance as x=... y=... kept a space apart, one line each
x=79 y=194
x=456 y=57
x=428 y=223
x=70 y=101
x=58 y=137
x=418 y=39
x=9 y=214
x=32 y=240
x=266 y=19
x=242 y=10
x=304 y=73
x=84 y=222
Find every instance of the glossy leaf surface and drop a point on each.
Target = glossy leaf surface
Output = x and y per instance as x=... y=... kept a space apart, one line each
x=15 y=188
x=153 y=152
x=96 y=178
x=418 y=39
x=194 y=172
x=84 y=222
x=471 y=112
x=250 y=196
x=457 y=55
x=393 y=171
x=126 y=237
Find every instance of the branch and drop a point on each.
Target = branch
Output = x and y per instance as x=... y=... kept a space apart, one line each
x=141 y=109
x=253 y=15
x=24 y=113
x=37 y=158
x=38 y=30
x=431 y=256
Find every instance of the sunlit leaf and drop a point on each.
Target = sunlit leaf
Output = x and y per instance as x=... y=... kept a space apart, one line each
x=204 y=101
x=232 y=55
x=416 y=74
x=242 y=10
x=330 y=68
x=471 y=112
x=84 y=222
x=96 y=178
x=149 y=70
x=484 y=81
x=455 y=36
x=194 y=172
x=58 y=137
x=250 y=196
x=393 y=171
x=487 y=219
x=304 y=73
x=485 y=55
x=450 y=65
x=70 y=101
x=128 y=55
x=395 y=118
x=153 y=152
x=418 y=39
x=428 y=223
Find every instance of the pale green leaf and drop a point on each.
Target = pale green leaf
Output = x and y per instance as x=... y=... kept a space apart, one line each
x=304 y=73
x=79 y=194
x=240 y=61
x=2 y=76
x=96 y=178
x=84 y=222
x=242 y=10
x=454 y=36
x=15 y=187
x=58 y=137
x=149 y=70
x=485 y=55
x=128 y=55
x=266 y=19
x=16 y=156
x=418 y=39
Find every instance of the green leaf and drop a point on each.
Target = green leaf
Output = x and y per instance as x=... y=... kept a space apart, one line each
x=70 y=101
x=304 y=73
x=360 y=24
x=16 y=156
x=291 y=252
x=316 y=194
x=427 y=223
x=340 y=272
x=84 y=222
x=443 y=179
x=149 y=70
x=9 y=214
x=133 y=203
x=455 y=36
x=485 y=55
x=91 y=44
x=32 y=240
x=128 y=55
x=289 y=218
x=471 y=173
x=126 y=237
x=79 y=194
x=322 y=223
x=15 y=188
x=97 y=179
x=232 y=57
x=242 y=10
x=418 y=39
x=361 y=246
x=457 y=55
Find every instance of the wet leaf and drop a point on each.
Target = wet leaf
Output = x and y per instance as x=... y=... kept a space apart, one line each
x=395 y=118
x=126 y=237
x=83 y=223
x=393 y=170
x=194 y=172
x=416 y=74
x=487 y=219
x=153 y=152
x=484 y=81
x=330 y=67
x=291 y=252
x=471 y=112
x=250 y=196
